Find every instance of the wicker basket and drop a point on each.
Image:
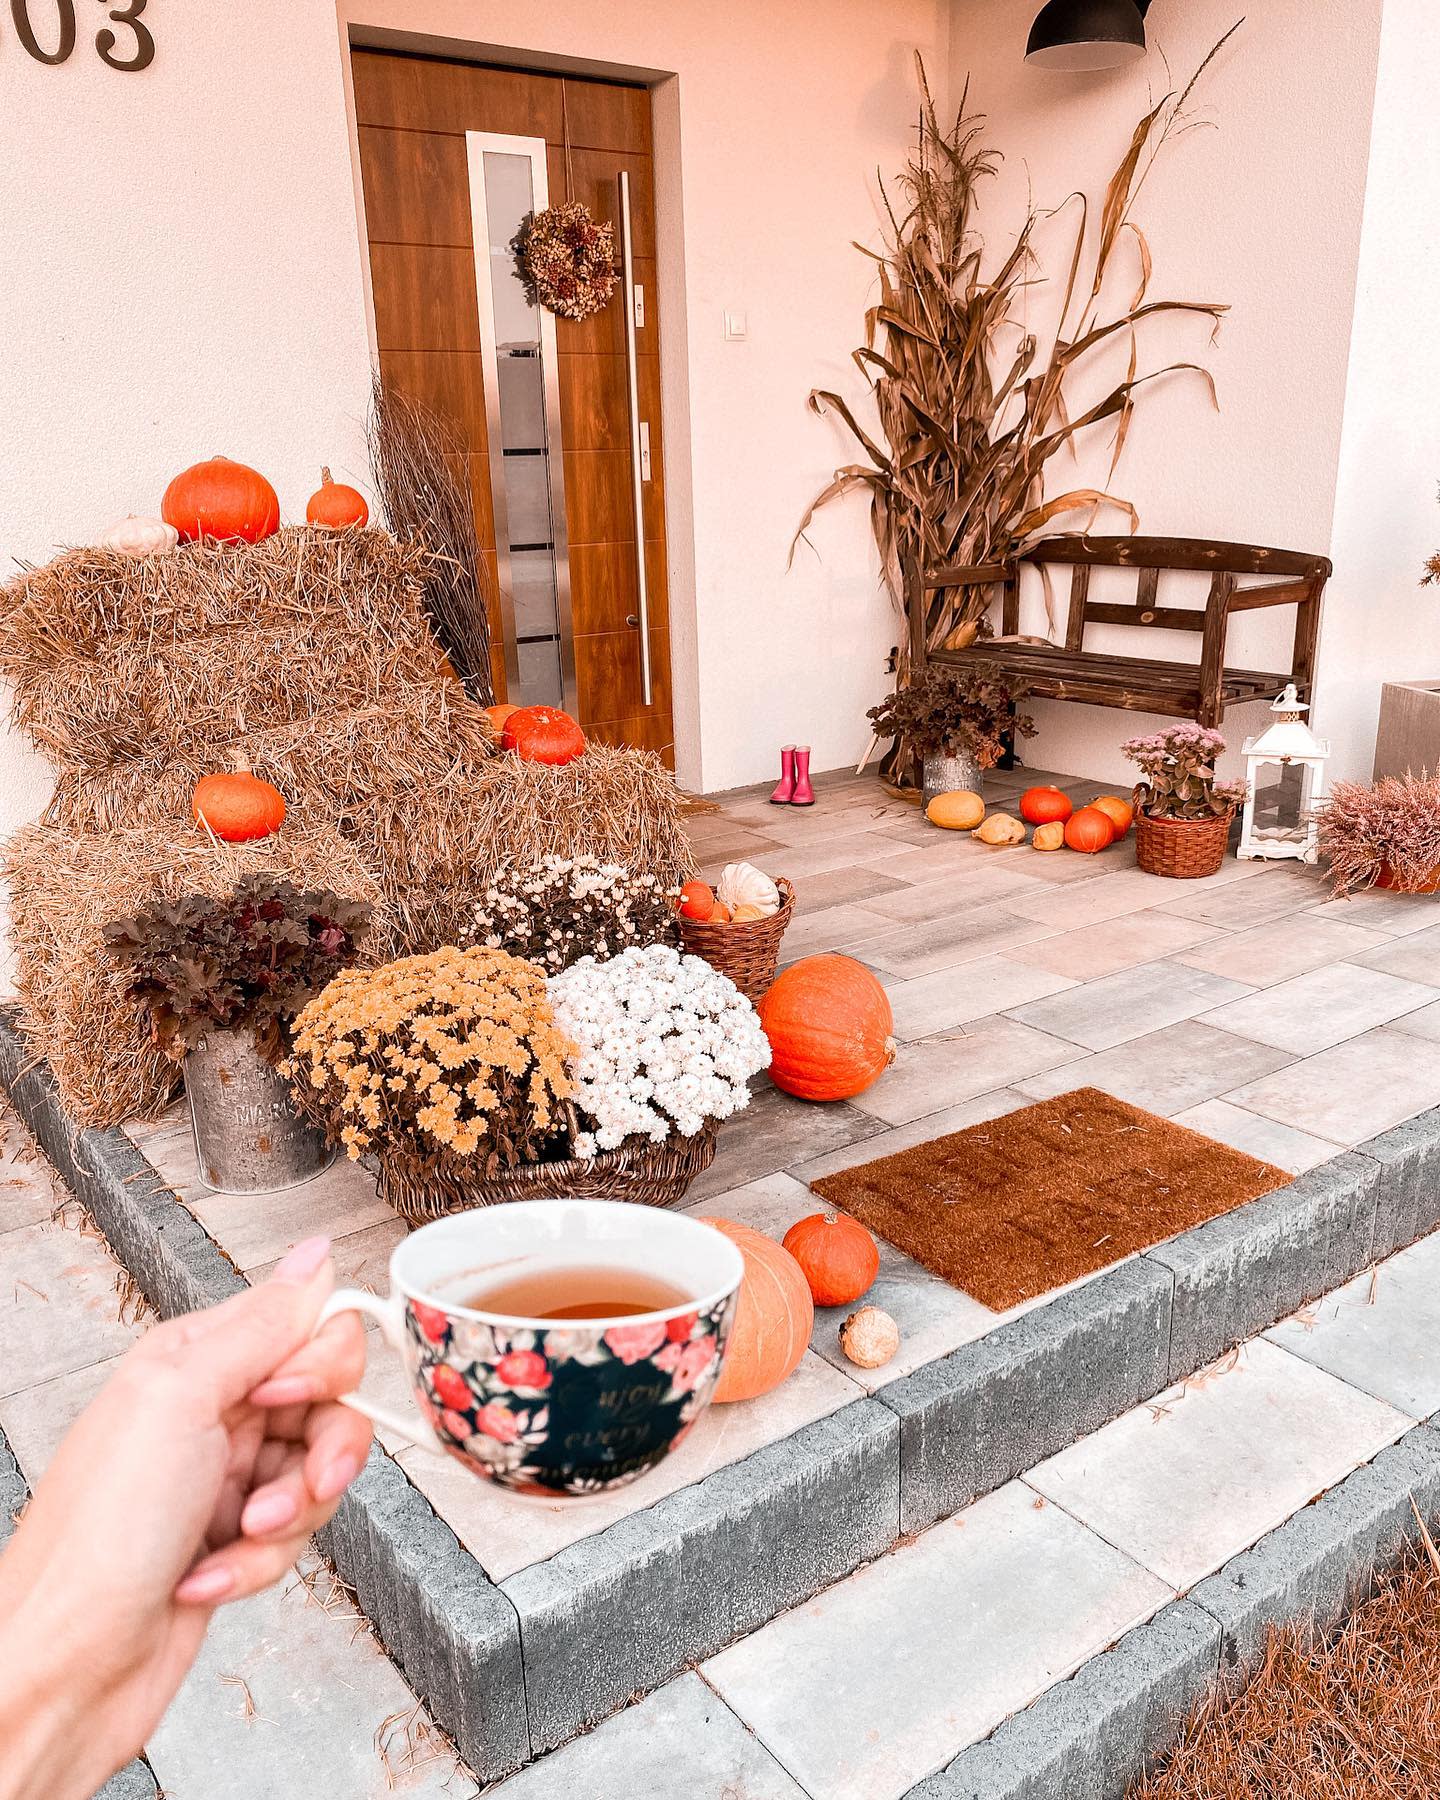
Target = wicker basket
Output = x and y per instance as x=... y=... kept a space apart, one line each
x=655 y=1175
x=1183 y=848
x=748 y=952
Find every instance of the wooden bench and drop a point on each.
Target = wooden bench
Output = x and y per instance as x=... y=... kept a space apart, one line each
x=1068 y=671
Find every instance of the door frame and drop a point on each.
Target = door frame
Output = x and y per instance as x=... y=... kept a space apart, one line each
x=358 y=29
x=477 y=143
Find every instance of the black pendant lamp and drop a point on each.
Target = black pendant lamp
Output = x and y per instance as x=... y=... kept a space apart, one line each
x=1087 y=34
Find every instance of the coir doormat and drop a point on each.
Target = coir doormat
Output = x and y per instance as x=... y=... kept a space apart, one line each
x=1022 y=1204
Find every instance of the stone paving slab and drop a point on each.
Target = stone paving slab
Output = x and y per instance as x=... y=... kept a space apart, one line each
x=1380 y=1332
x=878 y=1681
x=617 y=1613
x=1203 y=1471
x=681 y=1743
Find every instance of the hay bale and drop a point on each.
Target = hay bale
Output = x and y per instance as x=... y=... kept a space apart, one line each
x=115 y=659
x=67 y=885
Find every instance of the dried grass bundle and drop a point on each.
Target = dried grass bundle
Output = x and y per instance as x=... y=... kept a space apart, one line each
x=331 y=764
x=117 y=659
x=1386 y=832
x=973 y=409
x=67 y=885
x=1352 y=1720
x=416 y=455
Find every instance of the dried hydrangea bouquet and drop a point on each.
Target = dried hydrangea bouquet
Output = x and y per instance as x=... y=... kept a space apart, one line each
x=563 y=908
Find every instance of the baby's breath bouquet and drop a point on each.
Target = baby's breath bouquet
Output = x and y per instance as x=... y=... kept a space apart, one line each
x=562 y=908
x=445 y=1067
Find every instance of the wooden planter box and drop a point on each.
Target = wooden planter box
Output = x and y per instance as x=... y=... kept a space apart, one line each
x=1409 y=734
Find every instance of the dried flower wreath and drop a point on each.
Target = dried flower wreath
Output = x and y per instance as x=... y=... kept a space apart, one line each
x=567 y=259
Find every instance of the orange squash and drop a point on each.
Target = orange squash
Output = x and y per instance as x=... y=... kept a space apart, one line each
x=223 y=500
x=719 y=913
x=237 y=806
x=1089 y=830
x=773 y=1320
x=1045 y=806
x=830 y=1028
x=543 y=734
x=1049 y=837
x=1120 y=813
x=839 y=1257
x=497 y=715
x=335 y=504
x=697 y=900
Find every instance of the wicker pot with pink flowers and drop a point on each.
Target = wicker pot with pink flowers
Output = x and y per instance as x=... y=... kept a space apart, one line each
x=1182 y=811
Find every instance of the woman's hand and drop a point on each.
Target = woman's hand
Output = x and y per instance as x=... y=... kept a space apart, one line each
x=195 y=1477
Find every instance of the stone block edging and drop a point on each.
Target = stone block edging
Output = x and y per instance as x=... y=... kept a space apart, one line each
x=1107 y=1725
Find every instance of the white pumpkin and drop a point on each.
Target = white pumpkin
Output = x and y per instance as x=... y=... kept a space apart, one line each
x=135 y=536
x=742 y=884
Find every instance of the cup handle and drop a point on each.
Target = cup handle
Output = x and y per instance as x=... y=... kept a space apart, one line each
x=388 y=1312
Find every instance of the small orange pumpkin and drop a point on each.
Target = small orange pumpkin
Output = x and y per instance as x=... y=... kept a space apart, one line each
x=1120 y=813
x=497 y=715
x=720 y=913
x=839 y=1257
x=1089 y=830
x=773 y=1318
x=1045 y=806
x=223 y=500
x=237 y=806
x=333 y=503
x=543 y=734
x=830 y=1028
x=697 y=900
x=1049 y=837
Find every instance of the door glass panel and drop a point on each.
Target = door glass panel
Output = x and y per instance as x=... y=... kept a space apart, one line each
x=521 y=472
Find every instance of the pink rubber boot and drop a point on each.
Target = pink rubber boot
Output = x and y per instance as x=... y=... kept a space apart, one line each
x=785 y=787
x=804 y=794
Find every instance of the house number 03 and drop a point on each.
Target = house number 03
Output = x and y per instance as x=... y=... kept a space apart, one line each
x=129 y=46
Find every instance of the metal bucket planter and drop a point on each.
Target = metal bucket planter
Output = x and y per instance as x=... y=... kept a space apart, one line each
x=248 y=1137
x=951 y=775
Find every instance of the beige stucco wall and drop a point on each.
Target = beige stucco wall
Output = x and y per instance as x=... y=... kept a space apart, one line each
x=1262 y=210
x=185 y=277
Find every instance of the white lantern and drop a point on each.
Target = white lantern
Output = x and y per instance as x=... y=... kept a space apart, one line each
x=1285 y=775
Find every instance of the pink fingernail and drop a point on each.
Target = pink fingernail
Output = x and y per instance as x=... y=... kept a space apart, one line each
x=204 y=1586
x=301 y=1264
x=268 y=1512
x=337 y=1476
x=285 y=1390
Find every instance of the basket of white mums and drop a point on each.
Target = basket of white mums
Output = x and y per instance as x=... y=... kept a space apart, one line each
x=665 y=1047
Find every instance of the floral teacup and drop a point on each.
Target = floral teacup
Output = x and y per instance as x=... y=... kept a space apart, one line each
x=544 y=1406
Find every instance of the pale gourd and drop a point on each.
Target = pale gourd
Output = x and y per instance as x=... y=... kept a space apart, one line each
x=959 y=811
x=1001 y=828
x=134 y=536
x=1049 y=837
x=742 y=884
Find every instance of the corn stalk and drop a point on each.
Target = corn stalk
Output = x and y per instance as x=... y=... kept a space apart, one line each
x=971 y=406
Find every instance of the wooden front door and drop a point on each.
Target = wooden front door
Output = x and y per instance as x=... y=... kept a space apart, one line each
x=542 y=404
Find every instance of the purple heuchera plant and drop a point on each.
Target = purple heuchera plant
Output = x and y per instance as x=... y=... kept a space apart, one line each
x=1178 y=774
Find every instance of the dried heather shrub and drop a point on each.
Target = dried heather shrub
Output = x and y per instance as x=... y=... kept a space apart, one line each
x=1389 y=830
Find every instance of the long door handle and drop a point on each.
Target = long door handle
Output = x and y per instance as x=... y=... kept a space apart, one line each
x=637 y=474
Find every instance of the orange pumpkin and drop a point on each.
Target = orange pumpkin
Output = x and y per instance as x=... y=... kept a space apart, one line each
x=1120 y=813
x=1089 y=830
x=1045 y=806
x=237 y=806
x=830 y=1028
x=839 y=1257
x=333 y=503
x=773 y=1319
x=720 y=913
x=497 y=715
x=543 y=734
x=697 y=901
x=223 y=500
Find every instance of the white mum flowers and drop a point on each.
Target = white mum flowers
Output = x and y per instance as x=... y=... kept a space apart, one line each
x=664 y=1043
